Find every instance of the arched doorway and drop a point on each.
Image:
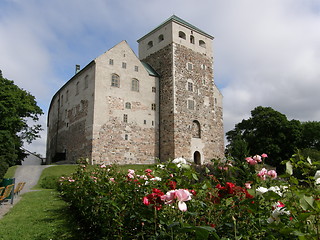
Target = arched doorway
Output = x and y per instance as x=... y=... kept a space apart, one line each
x=197 y=158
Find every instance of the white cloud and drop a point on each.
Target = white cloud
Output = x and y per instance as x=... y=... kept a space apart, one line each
x=265 y=52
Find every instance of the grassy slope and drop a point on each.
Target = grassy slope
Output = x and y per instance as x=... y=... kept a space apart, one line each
x=10 y=172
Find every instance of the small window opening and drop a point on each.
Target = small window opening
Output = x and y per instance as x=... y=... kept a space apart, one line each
x=153 y=106
x=125 y=118
x=190 y=86
x=202 y=44
x=191 y=39
x=128 y=105
x=135 y=85
x=161 y=38
x=115 y=80
x=124 y=65
x=182 y=35
x=196 y=131
x=154 y=89
x=150 y=44
x=110 y=61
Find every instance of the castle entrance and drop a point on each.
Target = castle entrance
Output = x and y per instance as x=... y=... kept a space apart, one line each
x=197 y=157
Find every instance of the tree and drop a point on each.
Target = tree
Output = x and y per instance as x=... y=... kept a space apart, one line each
x=17 y=106
x=267 y=131
x=310 y=135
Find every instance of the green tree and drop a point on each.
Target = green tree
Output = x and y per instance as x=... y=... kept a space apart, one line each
x=310 y=135
x=267 y=131
x=17 y=108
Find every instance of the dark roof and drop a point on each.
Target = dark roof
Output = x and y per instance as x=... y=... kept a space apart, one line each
x=176 y=19
x=150 y=70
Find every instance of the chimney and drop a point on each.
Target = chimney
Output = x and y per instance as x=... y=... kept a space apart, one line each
x=77 y=68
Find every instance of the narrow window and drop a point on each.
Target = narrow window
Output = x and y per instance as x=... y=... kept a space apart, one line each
x=126 y=137
x=77 y=88
x=67 y=95
x=215 y=100
x=191 y=39
x=152 y=123
x=136 y=68
x=150 y=44
x=86 y=82
x=202 y=43
x=125 y=118
x=144 y=121
x=154 y=89
x=115 y=80
x=124 y=65
x=182 y=35
x=61 y=100
x=190 y=66
x=190 y=104
x=161 y=38
x=110 y=61
x=190 y=86
x=128 y=105
x=196 y=131
x=153 y=106
x=135 y=85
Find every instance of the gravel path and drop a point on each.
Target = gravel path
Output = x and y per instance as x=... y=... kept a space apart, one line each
x=28 y=173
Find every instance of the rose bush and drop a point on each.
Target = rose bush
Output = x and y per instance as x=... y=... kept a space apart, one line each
x=236 y=199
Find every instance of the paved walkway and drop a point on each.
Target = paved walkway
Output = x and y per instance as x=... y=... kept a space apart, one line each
x=29 y=172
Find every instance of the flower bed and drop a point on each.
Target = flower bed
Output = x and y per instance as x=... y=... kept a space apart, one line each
x=233 y=200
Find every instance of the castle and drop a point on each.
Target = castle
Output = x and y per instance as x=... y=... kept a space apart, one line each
x=124 y=109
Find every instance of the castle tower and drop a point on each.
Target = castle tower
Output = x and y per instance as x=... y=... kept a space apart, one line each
x=190 y=105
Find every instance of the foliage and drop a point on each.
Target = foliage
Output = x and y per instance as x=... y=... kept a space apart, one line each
x=17 y=106
x=39 y=215
x=266 y=130
x=310 y=135
x=177 y=200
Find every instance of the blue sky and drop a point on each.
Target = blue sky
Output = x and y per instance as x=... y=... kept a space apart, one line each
x=266 y=52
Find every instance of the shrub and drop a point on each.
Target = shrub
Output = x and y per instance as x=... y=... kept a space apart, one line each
x=177 y=200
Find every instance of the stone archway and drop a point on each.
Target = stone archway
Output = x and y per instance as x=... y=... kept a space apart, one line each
x=197 y=158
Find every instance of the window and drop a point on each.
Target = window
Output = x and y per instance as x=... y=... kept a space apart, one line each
x=190 y=86
x=161 y=38
x=202 y=44
x=190 y=104
x=77 y=88
x=125 y=118
x=150 y=44
x=144 y=121
x=152 y=123
x=182 y=35
x=128 y=105
x=61 y=100
x=136 y=68
x=135 y=85
x=196 y=131
x=154 y=89
x=190 y=66
x=153 y=106
x=86 y=82
x=191 y=39
x=124 y=65
x=110 y=61
x=126 y=137
x=67 y=95
x=115 y=80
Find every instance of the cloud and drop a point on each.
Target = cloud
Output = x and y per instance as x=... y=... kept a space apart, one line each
x=265 y=52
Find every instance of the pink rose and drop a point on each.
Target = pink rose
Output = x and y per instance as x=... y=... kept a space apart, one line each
x=257 y=158
x=272 y=174
x=264 y=155
x=247 y=185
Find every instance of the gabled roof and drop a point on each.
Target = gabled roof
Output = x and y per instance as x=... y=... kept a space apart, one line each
x=180 y=21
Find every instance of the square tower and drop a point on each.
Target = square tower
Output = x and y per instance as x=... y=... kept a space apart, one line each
x=190 y=104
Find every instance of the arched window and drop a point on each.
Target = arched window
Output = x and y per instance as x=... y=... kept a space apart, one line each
x=128 y=105
x=202 y=43
x=191 y=39
x=196 y=131
x=182 y=35
x=161 y=38
x=115 y=80
x=135 y=85
x=150 y=44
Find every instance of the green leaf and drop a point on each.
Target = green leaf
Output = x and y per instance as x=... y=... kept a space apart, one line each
x=195 y=177
x=306 y=202
x=207 y=170
x=289 y=168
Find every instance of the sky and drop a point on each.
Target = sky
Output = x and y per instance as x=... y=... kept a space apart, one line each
x=266 y=52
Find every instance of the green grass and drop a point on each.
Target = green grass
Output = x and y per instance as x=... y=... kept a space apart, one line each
x=10 y=172
x=38 y=215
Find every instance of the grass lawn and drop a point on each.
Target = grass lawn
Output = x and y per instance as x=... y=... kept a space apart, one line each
x=38 y=215
x=10 y=172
